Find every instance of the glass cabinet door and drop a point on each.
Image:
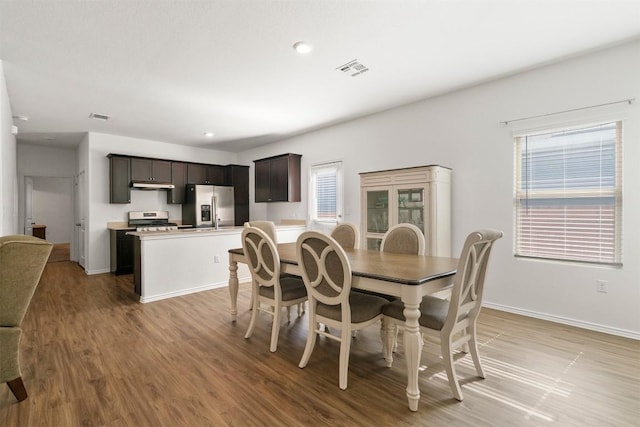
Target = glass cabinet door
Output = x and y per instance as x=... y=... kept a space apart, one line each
x=377 y=216
x=411 y=206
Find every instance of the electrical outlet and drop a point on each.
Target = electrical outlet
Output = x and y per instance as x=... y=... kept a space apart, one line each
x=216 y=258
x=601 y=286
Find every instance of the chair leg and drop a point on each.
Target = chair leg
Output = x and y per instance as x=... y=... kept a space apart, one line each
x=447 y=357
x=254 y=315
x=473 y=349
x=17 y=388
x=301 y=309
x=465 y=346
x=275 y=328
x=253 y=296
x=388 y=335
x=311 y=337
x=288 y=314
x=395 y=338
x=345 y=348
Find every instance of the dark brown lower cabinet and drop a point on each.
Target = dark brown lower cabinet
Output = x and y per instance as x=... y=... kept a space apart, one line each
x=121 y=252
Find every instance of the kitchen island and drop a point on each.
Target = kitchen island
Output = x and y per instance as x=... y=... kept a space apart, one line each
x=173 y=263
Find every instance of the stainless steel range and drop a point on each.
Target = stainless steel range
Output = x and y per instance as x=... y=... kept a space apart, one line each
x=151 y=221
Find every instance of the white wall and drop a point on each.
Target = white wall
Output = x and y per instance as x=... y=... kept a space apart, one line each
x=8 y=175
x=100 y=211
x=53 y=170
x=463 y=130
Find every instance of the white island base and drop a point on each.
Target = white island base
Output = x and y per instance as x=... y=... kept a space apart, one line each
x=173 y=263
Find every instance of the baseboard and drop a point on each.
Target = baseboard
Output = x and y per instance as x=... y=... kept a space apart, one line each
x=100 y=271
x=565 y=321
x=159 y=297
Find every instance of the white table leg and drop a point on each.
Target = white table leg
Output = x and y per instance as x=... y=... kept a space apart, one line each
x=233 y=287
x=413 y=351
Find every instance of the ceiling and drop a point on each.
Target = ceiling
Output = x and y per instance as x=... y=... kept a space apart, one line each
x=171 y=70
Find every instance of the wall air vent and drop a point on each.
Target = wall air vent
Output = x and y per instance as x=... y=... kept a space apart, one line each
x=353 y=68
x=99 y=116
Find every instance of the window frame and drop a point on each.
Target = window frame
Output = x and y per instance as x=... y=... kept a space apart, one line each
x=576 y=193
x=313 y=199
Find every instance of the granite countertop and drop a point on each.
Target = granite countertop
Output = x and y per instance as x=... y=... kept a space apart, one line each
x=121 y=225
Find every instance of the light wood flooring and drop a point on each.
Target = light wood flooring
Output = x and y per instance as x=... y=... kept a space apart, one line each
x=93 y=356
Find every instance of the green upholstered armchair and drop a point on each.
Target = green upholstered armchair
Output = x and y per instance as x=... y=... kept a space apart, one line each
x=22 y=260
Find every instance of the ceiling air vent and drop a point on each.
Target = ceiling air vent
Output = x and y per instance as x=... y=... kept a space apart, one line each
x=99 y=116
x=353 y=68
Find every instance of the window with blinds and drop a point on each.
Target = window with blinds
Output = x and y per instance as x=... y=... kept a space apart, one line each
x=568 y=194
x=326 y=191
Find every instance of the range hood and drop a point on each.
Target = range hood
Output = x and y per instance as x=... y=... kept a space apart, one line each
x=151 y=185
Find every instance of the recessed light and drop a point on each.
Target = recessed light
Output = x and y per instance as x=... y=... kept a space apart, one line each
x=21 y=118
x=302 y=47
x=208 y=134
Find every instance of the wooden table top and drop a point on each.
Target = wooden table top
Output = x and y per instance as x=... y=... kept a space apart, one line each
x=398 y=268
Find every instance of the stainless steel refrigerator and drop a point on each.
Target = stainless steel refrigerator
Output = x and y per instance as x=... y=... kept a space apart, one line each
x=204 y=204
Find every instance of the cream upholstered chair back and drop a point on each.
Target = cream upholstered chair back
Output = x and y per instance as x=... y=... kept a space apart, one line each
x=468 y=285
x=262 y=256
x=347 y=235
x=403 y=238
x=268 y=227
x=325 y=270
x=22 y=260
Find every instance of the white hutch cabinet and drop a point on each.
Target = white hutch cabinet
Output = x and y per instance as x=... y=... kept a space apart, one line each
x=418 y=195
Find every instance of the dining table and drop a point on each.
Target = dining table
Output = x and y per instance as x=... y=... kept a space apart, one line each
x=409 y=277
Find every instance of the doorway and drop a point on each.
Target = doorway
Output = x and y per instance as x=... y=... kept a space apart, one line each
x=48 y=205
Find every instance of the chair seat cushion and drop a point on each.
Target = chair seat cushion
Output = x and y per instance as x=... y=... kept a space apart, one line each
x=433 y=311
x=363 y=307
x=292 y=289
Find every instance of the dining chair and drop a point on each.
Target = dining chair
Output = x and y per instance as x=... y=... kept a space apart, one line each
x=268 y=285
x=269 y=227
x=403 y=238
x=326 y=273
x=22 y=260
x=453 y=321
x=347 y=235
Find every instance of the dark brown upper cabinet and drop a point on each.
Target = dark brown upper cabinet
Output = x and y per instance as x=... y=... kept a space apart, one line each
x=198 y=173
x=277 y=178
x=179 y=180
x=119 y=179
x=124 y=169
x=150 y=170
x=238 y=177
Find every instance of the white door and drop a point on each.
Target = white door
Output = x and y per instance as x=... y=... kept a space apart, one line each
x=28 y=206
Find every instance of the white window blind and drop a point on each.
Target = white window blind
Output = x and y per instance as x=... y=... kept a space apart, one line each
x=326 y=191
x=568 y=194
